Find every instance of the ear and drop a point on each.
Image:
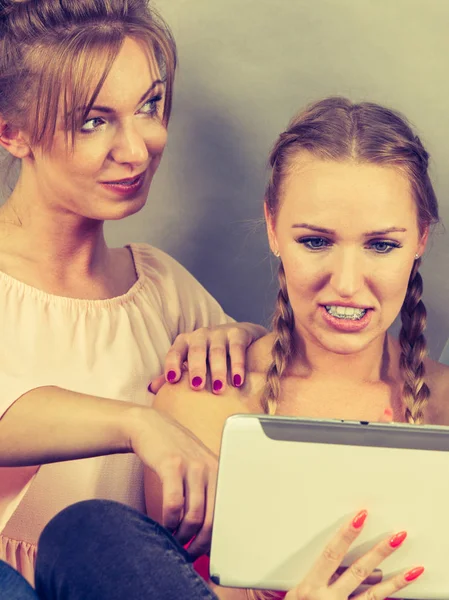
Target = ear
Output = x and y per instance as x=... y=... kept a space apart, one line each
x=13 y=140
x=270 y=229
x=423 y=241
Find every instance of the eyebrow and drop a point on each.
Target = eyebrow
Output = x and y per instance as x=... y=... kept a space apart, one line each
x=331 y=232
x=108 y=110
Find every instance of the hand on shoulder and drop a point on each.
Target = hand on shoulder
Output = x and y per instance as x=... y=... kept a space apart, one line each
x=203 y=412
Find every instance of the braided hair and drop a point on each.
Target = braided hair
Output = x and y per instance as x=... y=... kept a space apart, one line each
x=336 y=129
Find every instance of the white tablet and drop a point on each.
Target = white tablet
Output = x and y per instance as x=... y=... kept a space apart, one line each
x=285 y=485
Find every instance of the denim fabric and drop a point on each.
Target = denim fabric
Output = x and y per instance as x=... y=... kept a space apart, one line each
x=102 y=550
x=13 y=586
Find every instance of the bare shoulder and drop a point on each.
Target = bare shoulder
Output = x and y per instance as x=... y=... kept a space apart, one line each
x=437 y=378
x=205 y=413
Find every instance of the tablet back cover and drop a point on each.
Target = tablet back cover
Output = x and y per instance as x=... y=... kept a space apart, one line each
x=286 y=485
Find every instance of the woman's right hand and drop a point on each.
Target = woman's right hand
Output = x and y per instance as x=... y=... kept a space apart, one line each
x=187 y=470
x=324 y=583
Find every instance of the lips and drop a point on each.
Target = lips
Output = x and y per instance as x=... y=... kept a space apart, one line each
x=127 y=187
x=347 y=323
x=126 y=181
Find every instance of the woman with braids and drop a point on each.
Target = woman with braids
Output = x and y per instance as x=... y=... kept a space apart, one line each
x=349 y=206
x=85 y=99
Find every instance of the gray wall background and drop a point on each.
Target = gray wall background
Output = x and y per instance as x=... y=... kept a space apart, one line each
x=246 y=66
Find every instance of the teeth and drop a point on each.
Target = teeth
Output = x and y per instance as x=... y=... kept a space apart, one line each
x=130 y=182
x=346 y=312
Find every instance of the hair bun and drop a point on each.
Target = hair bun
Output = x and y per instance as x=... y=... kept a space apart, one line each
x=7 y=6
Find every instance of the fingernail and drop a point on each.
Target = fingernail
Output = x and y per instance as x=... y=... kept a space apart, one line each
x=197 y=381
x=237 y=380
x=414 y=573
x=388 y=412
x=171 y=375
x=397 y=539
x=217 y=385
x=359 y=519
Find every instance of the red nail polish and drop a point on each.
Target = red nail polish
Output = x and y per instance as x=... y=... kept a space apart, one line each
x=237 y=380
x=388 y=412
x=197 y=381
x=414 y=574
x=217 y=385
x=397 y=539
x=171 y=375
x=359 y=519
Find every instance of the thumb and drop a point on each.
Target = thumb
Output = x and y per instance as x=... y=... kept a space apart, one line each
x=156 y=384
x=387 y=416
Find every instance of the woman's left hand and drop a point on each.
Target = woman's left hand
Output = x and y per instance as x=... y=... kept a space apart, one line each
x=209 y=348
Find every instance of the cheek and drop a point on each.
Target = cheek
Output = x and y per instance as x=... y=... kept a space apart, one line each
x=392 y=282
x=156 y=138
x=304 y=276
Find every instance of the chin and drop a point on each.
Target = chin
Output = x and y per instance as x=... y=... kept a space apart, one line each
x=345 y=344
x=120 y=210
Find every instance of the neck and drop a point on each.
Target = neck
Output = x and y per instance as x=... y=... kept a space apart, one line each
x=372 y=364
x=68 y=245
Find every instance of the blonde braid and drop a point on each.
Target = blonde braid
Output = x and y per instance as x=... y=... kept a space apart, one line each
x=282 y=350
x=414 y=350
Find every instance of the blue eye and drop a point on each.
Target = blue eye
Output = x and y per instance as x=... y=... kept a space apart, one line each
x=384 y=246
x=314 y=243
x=92 y=124
x=151 y=106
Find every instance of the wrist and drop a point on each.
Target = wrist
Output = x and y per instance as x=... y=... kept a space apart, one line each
x=138 y=422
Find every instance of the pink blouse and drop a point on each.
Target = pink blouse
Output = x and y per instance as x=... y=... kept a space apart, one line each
x=110 y=348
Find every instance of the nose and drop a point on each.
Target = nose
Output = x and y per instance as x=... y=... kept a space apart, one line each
x=130 y=146
x=347 y=274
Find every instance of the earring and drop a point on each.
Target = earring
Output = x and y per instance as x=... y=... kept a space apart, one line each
x=276 y=253
x=416 y=256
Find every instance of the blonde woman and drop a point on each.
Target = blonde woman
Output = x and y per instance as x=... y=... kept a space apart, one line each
x=349 y=207
x=85 y=98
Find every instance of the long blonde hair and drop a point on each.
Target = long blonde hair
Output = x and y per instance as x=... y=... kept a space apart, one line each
x=61 y=51
x=337 y=129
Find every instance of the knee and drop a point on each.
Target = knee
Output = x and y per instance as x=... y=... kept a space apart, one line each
x=90 y=519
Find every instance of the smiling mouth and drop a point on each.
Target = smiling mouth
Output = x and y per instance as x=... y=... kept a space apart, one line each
x=348 y=313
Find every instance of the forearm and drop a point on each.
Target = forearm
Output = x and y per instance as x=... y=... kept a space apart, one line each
x=50 y=424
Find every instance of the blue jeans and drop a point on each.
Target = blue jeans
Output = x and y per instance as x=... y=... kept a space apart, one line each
x=102 y=550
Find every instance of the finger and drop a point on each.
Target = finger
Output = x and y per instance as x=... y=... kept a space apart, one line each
x=218 y=351
x=387 y=416
x=238 y=343
x=197 y=358
x=362 y=568
x=171 y=474
x=337 y=548
x=390 y=586
x=195 y=501
x=175 y=358
x=375 y=577
x=201 y=544
x=156 y=384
